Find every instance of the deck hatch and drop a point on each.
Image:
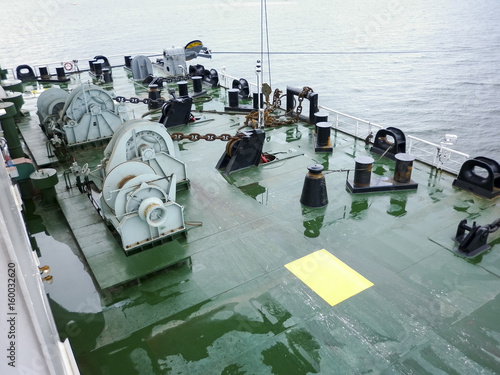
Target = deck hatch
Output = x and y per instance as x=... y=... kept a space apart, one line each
x=328 y=276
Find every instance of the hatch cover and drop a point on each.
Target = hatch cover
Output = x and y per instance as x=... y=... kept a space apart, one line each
x=329 y=277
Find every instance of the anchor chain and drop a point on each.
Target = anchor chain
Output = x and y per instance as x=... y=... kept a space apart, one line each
x=133 y=100
x=276 y=99
x=176 y=78
x=207 y=137
x=306 y=90
x=493 y=227
x=271 y=120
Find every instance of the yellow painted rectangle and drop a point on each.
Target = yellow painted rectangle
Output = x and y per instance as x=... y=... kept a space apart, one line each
x=329 y=277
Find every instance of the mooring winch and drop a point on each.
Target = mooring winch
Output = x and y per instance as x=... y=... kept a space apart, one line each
x=85 y=115
x=141 y=172
x=174 y=59
x=150 y=143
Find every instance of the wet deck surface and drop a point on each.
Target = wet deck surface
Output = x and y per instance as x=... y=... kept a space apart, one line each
x=38 y=144
x=108 y=262
x=239 y=310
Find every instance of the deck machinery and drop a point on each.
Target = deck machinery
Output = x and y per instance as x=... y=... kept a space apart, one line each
x=87 y=114
x=141 y=172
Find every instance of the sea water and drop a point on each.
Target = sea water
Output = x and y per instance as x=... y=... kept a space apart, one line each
x=427 y=67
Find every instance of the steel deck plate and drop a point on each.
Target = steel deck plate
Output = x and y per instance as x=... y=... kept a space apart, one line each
x=238 y=310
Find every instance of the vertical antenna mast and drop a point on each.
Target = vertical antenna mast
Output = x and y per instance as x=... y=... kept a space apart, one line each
x=258 y=72
x=258 y=67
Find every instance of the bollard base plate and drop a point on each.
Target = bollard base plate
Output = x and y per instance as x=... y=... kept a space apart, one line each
x=318 y=148
x=380 y=184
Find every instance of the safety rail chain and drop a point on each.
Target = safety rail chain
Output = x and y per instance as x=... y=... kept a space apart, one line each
x=434 y=154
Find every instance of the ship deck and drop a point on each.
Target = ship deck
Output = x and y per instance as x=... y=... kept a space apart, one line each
x=387 y=295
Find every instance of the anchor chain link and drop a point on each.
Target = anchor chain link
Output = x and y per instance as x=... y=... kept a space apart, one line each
x=493 y=227
x=194 y=137
x=302 y=95
x=271 y=120
x=133 y=100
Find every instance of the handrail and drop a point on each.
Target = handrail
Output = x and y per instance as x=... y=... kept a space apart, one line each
x=436 y=155
x=12 y=71
x=352 y=117
x=223 y=76
x=60 y=62
x=439 y=156
x=337 y=124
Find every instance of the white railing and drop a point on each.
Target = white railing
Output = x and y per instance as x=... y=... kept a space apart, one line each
x=114 y=60
x=351 y=125
x=226 y=80
x=436 y=155
x=433 y=154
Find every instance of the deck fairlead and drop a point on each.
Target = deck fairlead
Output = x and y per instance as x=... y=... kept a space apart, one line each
x=480 y=176
x=472 y=240
x=389 y=142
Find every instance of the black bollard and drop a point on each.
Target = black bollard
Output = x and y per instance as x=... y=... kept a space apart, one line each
x=44 y=72
x=106 y=75
x=256 y=100
x=128 y=60
x=404 y=165
x=61 y=75
x=91 y=65
x=320 y=117
x=154 y=95
x=233 y=97
x=183 y=88
x=197 y=84
x=323 y=133
x=363 y=171
x=314 y=192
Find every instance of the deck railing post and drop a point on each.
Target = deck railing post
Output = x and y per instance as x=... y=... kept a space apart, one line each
x=436 y=156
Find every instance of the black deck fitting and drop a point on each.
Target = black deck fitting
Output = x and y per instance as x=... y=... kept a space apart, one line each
x=485 y=184
x=291 y=92
x=176 y=111
x=210 y=77
x=471 y=240
x=314 y=190
x=25 y=73
x=45 y=76
x=243 y=153
x=363 y=183
x=243 y=88
x=389 y=142
x=234 y=96
x=321 y=137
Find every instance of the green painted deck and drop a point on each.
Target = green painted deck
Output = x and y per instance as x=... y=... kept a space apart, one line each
x=37 y=143
x=239 y=310
x=108 y=262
